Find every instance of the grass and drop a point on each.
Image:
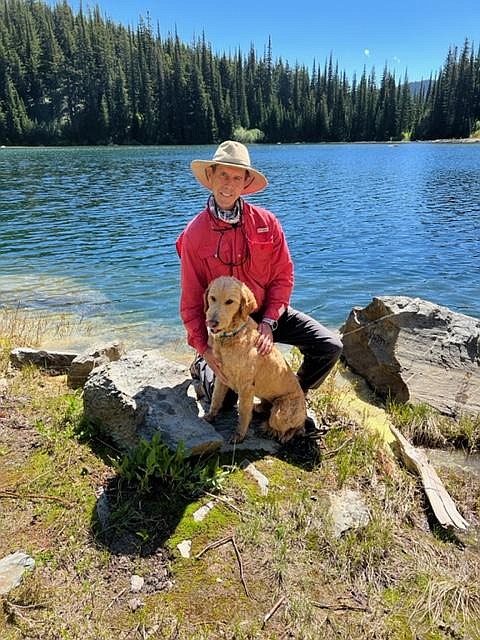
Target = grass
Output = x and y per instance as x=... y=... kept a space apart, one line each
x=425 y=426
x=394 y=578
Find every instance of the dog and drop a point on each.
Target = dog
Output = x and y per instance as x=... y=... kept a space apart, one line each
x=232 y=336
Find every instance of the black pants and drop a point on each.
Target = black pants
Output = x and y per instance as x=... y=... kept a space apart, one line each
x=320 y=347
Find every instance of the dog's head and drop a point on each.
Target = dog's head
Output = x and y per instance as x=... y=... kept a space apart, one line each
x=228 y=303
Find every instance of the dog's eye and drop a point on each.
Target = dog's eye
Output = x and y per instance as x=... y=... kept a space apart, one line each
x=229 y=301
x=213 y=299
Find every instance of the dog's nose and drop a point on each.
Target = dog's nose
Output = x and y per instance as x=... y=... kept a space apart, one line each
x=212 y=323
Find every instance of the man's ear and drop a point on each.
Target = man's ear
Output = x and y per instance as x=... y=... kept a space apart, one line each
x=209 y=171
x=205 y=299
x=247 y=302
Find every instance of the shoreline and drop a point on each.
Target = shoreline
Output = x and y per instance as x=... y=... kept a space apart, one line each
x=133 y=145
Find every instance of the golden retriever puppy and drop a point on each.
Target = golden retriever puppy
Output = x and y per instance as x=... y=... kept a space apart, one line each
x=228 y=304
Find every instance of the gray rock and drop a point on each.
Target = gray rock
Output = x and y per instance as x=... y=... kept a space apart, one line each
x=136 y=583
x=104 y=511
x=142 y=394
x=84 y=363
x=12 y=568
x=347 y=511
x=257 y=475
x=416 y=351
x=53 y=362
x=135 y=603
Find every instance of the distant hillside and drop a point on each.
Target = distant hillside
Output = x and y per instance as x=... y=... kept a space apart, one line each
x=416 y=87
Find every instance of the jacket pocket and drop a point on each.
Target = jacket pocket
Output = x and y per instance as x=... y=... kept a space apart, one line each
x=213 y=266
x=261 y=254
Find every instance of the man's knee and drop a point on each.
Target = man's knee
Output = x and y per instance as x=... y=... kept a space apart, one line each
x=330 y=349
x=336 y=346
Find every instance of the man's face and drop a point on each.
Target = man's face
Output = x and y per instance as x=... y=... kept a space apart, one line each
x=227 y=184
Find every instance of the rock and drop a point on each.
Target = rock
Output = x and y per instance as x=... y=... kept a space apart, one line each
x=53 y=362
x=257 y=475
x=103 y=509
x=201 y=513
x=347 y=511
x=136 y=583
x=417 y=352
x=185 y=548
x=142 y=394
x=84 y=363
x=135 y=603
x=12 y=568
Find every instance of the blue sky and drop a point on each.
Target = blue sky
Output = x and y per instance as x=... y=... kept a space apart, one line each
x=412 y=35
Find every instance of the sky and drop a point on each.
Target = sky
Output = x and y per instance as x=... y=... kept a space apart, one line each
x=410 y=36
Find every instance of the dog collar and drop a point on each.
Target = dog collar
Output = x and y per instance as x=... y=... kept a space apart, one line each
x=229 y=334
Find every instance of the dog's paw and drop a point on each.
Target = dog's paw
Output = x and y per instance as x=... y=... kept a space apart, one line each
x=291 y=433
x=266 y=431
x=209 y=417
x=236 y=438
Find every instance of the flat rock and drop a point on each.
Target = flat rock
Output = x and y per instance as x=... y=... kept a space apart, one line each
x=141 y=394
x=53 y=362
x=416 y=351
x=12 y=568
x=83 y=364
x=347 y=511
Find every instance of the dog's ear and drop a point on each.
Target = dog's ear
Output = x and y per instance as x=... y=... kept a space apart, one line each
x=205 y=299
x=247 y=302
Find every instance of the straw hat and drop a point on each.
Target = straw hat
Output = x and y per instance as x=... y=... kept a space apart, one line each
x=231 y=154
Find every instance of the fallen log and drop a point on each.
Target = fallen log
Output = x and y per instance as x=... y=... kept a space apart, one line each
x=442 y=504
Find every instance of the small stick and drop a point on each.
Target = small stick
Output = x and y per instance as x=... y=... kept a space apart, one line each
x=339 y=607
x=273 y=610
x=219 y=543
x=240 y=564
x=24 y=606
x=15 y=609
x=34 y=496
x=225 y=502
x=213 y=545
x=119 y=595
x=331 y=452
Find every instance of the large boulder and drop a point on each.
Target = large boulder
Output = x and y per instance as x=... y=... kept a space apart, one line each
x=141 y=394
x=416 y=351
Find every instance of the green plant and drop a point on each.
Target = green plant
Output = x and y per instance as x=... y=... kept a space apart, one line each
x=153 y=462
x=247 y=136
x=476 y=130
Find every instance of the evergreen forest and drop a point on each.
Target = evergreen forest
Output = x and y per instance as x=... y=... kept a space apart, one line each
x=79 y=78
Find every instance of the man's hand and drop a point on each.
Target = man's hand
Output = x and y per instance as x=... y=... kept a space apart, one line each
x=215 y=364
x=264 y=342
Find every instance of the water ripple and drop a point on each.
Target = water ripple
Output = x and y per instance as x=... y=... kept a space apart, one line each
x=93 y=230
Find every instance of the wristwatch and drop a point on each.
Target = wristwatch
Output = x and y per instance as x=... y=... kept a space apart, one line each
x=273 y=324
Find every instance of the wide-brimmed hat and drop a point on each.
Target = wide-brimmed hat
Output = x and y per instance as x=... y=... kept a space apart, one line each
x=232 y=154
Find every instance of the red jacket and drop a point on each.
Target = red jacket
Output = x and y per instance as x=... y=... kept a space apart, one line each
x=254 y=251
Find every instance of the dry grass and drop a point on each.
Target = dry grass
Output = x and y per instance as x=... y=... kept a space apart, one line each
x=449 y=599
x=426 y=427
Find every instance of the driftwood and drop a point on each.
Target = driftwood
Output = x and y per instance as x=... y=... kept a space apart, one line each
x=442 y=504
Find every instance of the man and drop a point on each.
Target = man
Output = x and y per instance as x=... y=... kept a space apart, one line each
x=234 y=238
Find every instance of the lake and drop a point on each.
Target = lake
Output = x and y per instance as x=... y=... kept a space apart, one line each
x=89 y=233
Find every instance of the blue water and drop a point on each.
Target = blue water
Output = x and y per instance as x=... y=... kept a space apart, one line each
x=90 y=232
